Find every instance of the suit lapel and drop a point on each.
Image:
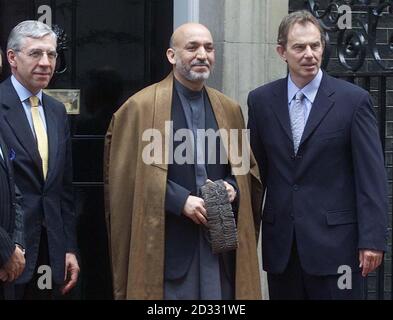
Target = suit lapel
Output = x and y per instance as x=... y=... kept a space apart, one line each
x=321 y=106
x=15 y=116
x=279 y=106
x=51 y=127
x=3 y=160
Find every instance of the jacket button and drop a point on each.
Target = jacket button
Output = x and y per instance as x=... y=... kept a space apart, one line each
x=295 y=187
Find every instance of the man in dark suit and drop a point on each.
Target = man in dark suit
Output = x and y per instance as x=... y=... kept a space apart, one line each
x=35 y=126
x=316 y=142
x=12 y=260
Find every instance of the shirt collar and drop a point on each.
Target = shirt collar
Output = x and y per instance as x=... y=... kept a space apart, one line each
x=310 y=90
x=186 y=92
x=23 y=93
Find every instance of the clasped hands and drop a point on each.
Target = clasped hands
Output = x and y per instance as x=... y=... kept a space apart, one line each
x=194 y=207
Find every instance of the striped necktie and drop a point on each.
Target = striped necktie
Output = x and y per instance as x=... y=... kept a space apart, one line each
x=297 y=120
x=40 y=133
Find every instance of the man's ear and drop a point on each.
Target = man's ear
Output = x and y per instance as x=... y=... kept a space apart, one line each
x=282 y=52
x=11 y=58
x=170 y=54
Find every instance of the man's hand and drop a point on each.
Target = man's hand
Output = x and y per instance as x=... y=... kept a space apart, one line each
x=3 y=275
x=14 y=266
x=194 y=209
x=231 y=191
x=71 y=273
x=369 y=260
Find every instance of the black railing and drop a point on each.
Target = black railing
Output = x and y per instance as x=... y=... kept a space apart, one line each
x=357 y=38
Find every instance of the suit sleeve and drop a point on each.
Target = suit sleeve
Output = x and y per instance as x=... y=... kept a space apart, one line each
x=232 y=181
x=258 y=155
x=370 y=178
x=255 y=140
x=7 y=247
x=67 y=198
x=18 y=235
x=175 y=198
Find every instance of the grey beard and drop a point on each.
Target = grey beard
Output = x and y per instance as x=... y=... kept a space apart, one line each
x=195 y=76
x=190 y=74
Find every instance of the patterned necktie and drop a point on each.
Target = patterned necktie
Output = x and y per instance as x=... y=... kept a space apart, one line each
x=40 y=133
x=296 y=115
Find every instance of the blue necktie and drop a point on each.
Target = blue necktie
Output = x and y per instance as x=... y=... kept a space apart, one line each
x=296 y=115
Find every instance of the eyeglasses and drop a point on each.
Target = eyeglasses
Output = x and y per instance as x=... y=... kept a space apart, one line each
x=37 y=54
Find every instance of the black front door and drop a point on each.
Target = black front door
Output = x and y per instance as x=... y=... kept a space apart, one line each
x=108 y=50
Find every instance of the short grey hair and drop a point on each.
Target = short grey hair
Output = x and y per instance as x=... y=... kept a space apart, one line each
x=302 y=17
x=28 y=29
